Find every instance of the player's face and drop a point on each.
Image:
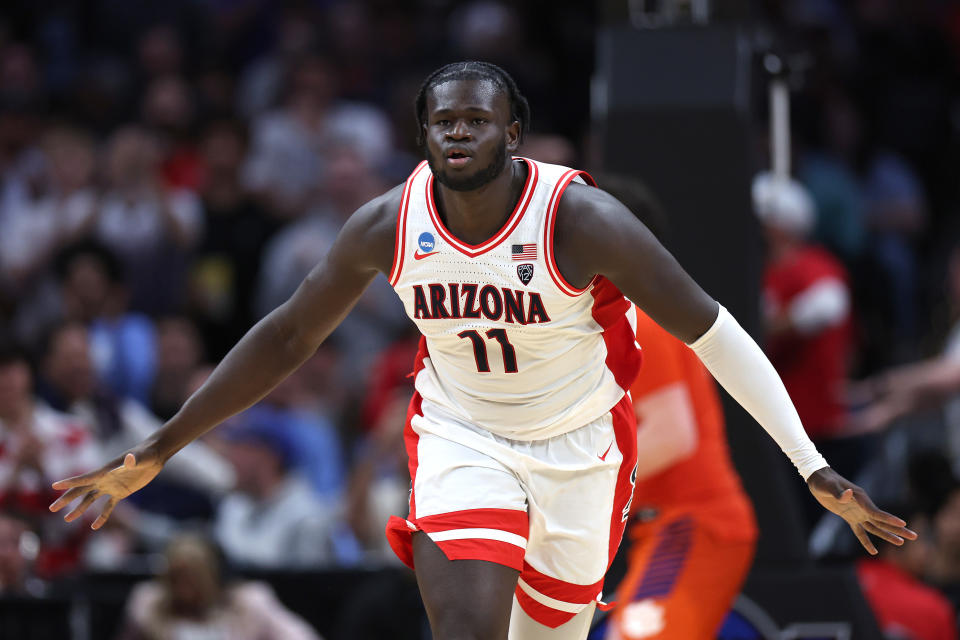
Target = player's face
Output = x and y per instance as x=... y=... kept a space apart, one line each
x=469 y=133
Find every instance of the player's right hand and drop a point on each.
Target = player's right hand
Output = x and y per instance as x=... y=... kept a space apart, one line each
x=117 y=479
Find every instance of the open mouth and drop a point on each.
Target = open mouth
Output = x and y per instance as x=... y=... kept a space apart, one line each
x=457 y=158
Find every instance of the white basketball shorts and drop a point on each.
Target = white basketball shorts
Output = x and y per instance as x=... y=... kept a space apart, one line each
x=552 y=509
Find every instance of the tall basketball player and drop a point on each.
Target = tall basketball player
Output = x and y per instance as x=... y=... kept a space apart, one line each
x=521 y=436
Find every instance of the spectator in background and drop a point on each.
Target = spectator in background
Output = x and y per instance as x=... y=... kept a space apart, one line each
x=169 y=112
x=37 y=446
x=807 y=307
x=59 y=213
x=901 y=391
x=152 y=228
x=307 y=420
x=236 y=230
x=901 y=602
x=123 y=343
x=261 y=82
x=348 y=181
x=290 y=145
x=274 y=519
x=872 y=206
x=69 y=384
x=191 y=600
x=18 y=551
x=180 y=351
x=379 y=478
x=807 y=321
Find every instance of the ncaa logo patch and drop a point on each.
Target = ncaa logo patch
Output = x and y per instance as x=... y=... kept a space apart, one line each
x=525 y=272
x=426 y=242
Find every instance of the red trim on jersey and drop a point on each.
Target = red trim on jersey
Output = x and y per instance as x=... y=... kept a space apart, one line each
x=411 y=438
x=548 y=230
x=399 y=244
x=543 y=614
x=625 y=431
x=559 y=589
x=474 y=250
x=610 y=310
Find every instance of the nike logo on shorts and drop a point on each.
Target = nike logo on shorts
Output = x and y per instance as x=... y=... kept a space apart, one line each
x=604 y=456
x=420 y=256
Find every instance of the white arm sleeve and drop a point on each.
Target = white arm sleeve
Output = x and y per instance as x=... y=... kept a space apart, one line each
x=744 y=371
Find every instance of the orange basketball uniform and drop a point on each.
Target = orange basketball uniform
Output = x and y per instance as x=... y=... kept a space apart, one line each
x=693 y=533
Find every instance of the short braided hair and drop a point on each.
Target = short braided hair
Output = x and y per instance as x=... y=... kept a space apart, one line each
x=473 y=70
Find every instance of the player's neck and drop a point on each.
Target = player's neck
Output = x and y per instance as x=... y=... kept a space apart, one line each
x=475 y=216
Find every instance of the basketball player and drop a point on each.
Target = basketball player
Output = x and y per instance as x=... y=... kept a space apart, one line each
x=692 y=531
x=521 y=436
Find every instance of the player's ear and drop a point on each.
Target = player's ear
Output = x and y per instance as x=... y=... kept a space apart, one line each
x=513 y=135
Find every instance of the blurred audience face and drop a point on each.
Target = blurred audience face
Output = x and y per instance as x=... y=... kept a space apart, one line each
x=168 y=104
x=314 y=83
x=16 y=386
x=132 y=158
x=18 y=70
x=160 y=51
x=71 y=157
x=192 y=577
x=223 y=150
x=348 y=179
x=67 y=365
x=86 y=288
x=258 y=467
x=178 y=346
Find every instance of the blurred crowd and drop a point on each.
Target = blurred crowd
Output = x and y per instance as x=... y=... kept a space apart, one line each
x=170 y=171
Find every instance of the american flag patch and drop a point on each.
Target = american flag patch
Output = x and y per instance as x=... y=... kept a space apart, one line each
x=524 y=251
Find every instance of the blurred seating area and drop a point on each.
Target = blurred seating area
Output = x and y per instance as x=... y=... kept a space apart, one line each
x=170 y=171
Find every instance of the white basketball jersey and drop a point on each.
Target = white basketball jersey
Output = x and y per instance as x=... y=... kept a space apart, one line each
x=509 y=345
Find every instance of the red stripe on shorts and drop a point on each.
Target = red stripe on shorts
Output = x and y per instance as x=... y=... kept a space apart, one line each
x=543 y=614
x=559 y=589
x=510 y=520
x=509 y=555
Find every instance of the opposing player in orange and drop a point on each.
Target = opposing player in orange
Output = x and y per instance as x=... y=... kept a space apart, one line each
x=692 y=530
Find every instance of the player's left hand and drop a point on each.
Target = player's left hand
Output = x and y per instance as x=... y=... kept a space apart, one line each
x=852 y=503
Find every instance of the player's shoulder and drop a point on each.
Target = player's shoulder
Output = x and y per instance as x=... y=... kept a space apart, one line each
x=381 y=211
x=370 y=231
x=589 y=211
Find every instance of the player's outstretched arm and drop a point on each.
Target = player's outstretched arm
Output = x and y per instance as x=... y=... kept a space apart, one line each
x=268 y=353
x=596 y=234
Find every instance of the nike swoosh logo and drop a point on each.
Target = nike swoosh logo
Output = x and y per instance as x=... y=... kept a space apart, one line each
x=420 y=256
x=604 y=456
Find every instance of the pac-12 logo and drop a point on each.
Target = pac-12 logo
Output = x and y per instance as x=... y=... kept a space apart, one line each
x=525 y=272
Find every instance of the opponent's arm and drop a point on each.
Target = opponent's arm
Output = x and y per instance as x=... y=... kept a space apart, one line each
x=269 y=352
x=596 y=234
x=666 y=429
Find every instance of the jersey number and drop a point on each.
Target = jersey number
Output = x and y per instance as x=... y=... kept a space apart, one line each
x=480 y=349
